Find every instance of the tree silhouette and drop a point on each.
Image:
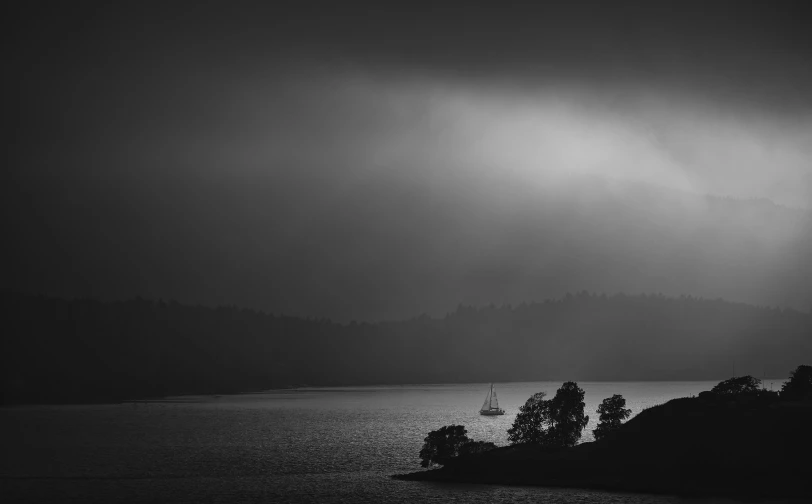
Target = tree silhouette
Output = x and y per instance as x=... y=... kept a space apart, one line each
x=554 y=422
x=799 y=385
x=737 y=386
x=531 y=422
x=612 y=412
x=568 y=415
x=443 y=444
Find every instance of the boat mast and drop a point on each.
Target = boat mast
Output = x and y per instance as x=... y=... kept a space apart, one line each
x=490 y=398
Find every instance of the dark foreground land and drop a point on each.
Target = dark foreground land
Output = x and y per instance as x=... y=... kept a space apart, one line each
x=751 y=447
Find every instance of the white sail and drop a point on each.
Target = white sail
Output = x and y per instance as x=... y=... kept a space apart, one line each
x=491 y=404
x=487 y=404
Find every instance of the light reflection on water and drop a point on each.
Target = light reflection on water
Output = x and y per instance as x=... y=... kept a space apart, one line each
x=304 y=445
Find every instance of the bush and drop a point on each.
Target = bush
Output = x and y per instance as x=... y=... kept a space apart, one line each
x=474 y=447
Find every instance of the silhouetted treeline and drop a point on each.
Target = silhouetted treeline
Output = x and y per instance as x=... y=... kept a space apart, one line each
x=57 y=350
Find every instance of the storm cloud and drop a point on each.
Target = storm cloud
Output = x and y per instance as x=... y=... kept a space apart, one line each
x=371 y=163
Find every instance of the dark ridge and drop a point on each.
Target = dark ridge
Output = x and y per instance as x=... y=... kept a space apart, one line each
x=82 y=350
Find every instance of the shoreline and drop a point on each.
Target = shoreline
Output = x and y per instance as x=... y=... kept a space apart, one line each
x=709 y=446
x=305 y=387
x=695 y=492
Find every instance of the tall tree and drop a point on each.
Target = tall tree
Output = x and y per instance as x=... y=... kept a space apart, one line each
x=531 y=422
x=568 y=415
x=443 y=444
x=612 y=413
x=554 y=422
x=799 y=385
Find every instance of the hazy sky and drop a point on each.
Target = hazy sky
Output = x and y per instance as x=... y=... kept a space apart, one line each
x=357 y=161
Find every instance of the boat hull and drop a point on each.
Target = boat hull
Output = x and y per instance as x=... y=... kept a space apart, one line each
x=492 y=412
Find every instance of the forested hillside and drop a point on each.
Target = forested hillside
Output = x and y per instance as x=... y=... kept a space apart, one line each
x=57 y=350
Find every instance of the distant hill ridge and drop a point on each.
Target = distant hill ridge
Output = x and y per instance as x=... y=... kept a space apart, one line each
x=386 y=251
x=58 y=350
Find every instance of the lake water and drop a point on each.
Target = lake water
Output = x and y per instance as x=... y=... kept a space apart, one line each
x=305 y=445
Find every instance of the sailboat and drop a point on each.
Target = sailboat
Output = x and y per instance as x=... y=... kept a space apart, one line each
x=491 y=404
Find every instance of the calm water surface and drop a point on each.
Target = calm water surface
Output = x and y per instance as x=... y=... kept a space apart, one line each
x=303 y=445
